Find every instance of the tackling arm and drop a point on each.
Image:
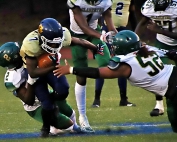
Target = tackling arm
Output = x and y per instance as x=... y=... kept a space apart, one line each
x=27 y=95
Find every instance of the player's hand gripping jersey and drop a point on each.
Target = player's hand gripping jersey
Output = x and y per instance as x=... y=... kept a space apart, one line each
x=146 y=73
x=91 y=12
x=166 y=19
x=120 y=12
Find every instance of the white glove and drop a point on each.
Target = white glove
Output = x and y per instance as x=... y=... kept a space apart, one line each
x=31 y=81
x=107 y=37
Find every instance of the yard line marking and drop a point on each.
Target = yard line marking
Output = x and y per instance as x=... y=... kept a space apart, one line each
x=119 y=129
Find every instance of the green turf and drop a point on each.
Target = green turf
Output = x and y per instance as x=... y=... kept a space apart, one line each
x=15 y=120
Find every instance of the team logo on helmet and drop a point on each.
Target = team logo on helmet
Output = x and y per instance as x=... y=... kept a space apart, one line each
x=40 y=28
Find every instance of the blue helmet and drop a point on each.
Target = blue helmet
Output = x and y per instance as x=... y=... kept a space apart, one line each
x=161 y=5
x=50 y=33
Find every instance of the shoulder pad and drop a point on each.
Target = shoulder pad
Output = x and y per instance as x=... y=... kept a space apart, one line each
x=30 y=45
x=174 y=3
x=114 y=63
x=67 y=37
x=12 y=80
x=71 y=3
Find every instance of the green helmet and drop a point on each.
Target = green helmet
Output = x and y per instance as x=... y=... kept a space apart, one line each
x=9 y=55
x=125 y=42
x=93 y=2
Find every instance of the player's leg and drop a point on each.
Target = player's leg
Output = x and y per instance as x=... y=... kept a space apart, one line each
x=48 y=111
x=79 y=56
x=172 y=112
x=98 y=88
x=122 y=83
x=102 y=61
x=159 y=107
x=62 y=122
x=66 y=109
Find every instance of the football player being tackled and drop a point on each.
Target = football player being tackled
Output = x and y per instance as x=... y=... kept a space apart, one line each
x=48 y=38
x=17 y=80
x=142 y=67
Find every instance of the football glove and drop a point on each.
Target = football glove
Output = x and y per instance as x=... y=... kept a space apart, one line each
x=55 y=58
x=100 y=48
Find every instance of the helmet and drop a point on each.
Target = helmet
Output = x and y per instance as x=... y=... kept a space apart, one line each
x=161 y=5
x=125 y=42
x=9 y=55
x=67 y=37
x=93 y=2
x=51 y=35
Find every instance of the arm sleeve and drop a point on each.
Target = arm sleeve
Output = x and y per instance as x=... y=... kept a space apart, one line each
x=89 y=72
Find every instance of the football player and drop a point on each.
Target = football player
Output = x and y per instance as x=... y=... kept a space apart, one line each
x=84 y=15
x=132 y=59
x=160 y=17
x=48 y=38
x=121 y=17
x=16 y=81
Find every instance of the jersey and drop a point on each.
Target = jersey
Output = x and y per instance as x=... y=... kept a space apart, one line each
x=32 y=48
x=13 y=80
x=166 y=19
x=147 y=73
x=91 y=12
x=120 y=12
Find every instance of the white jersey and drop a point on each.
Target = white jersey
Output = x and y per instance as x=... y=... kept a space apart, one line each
x=148 y=73
x=167 y=19
x=120 y=12
x=13 y=79
x=90 y=12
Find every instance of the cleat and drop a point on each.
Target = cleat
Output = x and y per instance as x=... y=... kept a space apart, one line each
x=54 y=131
x=96 y=103
x=85 y=126
x=126 y=103
x=44 y=133
x=156 y=112
x=80 y=130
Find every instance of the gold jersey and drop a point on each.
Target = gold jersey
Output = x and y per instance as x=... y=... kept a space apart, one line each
x=31 y=47
x=120 y=12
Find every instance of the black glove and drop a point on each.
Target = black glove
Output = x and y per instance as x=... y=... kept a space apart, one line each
x=54 y=58
x=172 y=54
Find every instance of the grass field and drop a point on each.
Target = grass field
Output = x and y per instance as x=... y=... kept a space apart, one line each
x=110 y=122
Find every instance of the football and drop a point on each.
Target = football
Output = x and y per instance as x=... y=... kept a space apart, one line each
x=45 y=61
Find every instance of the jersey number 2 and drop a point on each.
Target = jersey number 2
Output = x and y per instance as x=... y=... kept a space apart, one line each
x=119 y=7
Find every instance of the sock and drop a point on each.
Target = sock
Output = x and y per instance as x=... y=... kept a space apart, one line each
x=122 y=83
x=80 y=94
x=159 y=104
x=73 y=117
x=98 y=87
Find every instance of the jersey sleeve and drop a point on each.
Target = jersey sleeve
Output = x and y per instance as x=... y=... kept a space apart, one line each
x=12 y=80
x=30 y=45
x=114 y=63
x=67 y=37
